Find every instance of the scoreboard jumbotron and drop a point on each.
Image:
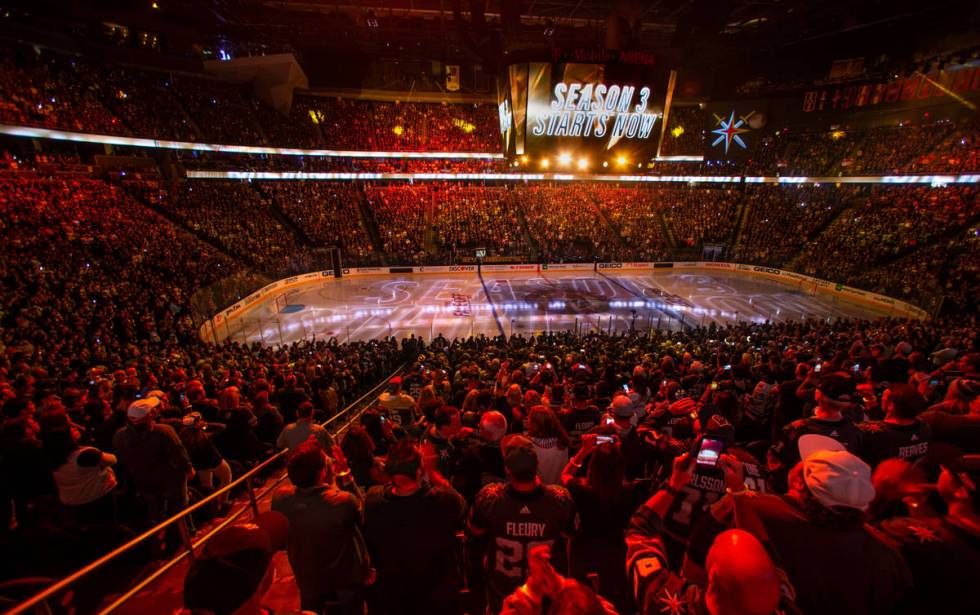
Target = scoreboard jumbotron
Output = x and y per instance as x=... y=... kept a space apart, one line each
x=579 y=116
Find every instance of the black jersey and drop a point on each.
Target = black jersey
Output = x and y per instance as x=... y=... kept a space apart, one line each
x=883 y=440
x=579 y=421
x=514 y=522
x=679 y=426
x=706 y=487
x=844 y=431
x=943 y=557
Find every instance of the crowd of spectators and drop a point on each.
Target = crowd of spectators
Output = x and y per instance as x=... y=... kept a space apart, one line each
x=97 y=344
x=889 y=149
x=403 y=213
x=296 y=130
x=947 y=270
x=146 y=103
x=893 y=235
x=911 y=242
x=636 y=214
x=88 y=270
x=796 y=467
x=779 y=222
x=696 y=216
x=813 y=152
x=806 y=467
x=566 y=223
x=959 y=152
x=469 y=217
x=887 y=224
x=329 y=214
x=41 y=88
x=234 y=216
x=407 y=126
x=222 y=111
x=44 y=87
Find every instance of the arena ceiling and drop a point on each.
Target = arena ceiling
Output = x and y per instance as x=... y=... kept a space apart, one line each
x=724 y=41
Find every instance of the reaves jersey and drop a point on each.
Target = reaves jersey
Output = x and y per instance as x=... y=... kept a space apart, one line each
x=886 y=440
x=515 y=522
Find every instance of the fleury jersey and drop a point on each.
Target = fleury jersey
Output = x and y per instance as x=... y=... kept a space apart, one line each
x=882 y=440
x=513 y=522
x=580 y=421
x=678 y=426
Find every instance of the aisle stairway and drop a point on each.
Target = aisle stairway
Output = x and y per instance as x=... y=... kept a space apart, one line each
x=273 y=207
x=667 y=231
x=535 y=249
x=604 y=217
x=742 y=213
x=201 y=236
x=797 y=263
x=370 y=224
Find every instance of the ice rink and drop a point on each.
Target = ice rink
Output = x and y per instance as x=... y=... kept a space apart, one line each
x=358 y=308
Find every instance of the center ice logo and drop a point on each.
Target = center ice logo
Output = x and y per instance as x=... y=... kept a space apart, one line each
x=461 y=305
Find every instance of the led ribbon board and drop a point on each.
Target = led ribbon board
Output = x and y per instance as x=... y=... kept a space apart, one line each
x=935 y=181
x=35 y=132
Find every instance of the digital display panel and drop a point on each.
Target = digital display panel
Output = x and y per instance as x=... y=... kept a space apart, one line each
x=582 y=114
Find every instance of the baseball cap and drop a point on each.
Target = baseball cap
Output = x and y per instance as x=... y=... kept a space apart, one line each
x=966 y=468
x=622 y=406
x=682 y=406
x=719 y=427
x=967 y=389
x=838 y=479
x=519 y=455
x=395 y=380
x=838 y=386
x=814 y=443
x=141 y=408
x=156 y=393
x=234 y=563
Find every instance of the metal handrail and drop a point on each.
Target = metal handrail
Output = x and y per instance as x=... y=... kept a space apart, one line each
x=244 y=479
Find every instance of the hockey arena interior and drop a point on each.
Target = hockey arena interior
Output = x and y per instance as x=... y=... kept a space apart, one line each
x=520 y=307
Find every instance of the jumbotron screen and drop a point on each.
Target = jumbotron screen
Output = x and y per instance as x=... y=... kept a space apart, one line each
x=580 y=116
